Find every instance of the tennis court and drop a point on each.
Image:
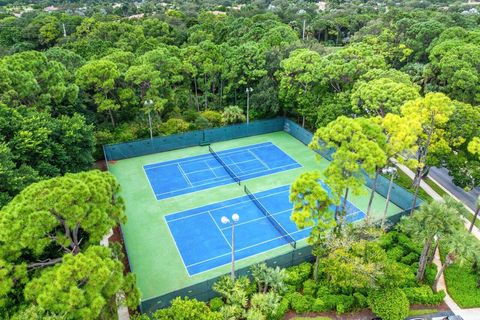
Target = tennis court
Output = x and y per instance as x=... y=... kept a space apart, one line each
x=180 y=176
x=204 y=242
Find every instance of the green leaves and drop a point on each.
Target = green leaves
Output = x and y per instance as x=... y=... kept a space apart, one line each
x=358 y=145
x=52 y=212
x=81 y=286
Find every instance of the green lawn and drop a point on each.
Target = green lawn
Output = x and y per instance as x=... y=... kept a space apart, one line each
x=435 y=187
x=462 y=285
x=421 y=312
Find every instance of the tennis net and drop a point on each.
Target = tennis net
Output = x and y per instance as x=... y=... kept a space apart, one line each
x=288 y=238
x=229 y=171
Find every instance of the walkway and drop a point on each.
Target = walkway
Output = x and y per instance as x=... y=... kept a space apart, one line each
x=466 y=314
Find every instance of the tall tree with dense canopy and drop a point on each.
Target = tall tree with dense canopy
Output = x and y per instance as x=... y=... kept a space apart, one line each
x=65 y=212
x=354 y=152
x=311 y=209
x=432 y=112
x=299 y=81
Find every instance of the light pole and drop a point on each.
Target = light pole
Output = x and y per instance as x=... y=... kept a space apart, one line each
x=248 y=90
x=225 y=220
x=148 y=104
x=391 y=171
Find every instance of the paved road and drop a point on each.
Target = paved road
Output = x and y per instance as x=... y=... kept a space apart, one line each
x=442 y=177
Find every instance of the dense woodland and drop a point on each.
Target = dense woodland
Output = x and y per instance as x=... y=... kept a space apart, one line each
x=404 y=75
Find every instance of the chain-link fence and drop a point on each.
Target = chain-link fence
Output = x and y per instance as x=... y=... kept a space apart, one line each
x=203 y=290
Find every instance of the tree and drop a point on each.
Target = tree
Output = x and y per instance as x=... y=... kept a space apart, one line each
x=98 y=77
x=311 y=209
x=81 y=286
x=381 y=96
x=354 y=153
x=268 y=278
x=65 y=213
x=432 y=112
x=299 y=81
x=39 y=146
x=461 y=128
x=459 y=247
x=432 y=222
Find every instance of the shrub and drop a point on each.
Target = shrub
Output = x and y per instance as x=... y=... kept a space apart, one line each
x=296 y=275
x=173 y=125
x=395 y=253
x=387 y=240
x=301 y=303
x=309 y=287
x=216 y=303
x=318 y=305
x=360 y=300
x=430 y=274
x=410 y=258
x=282 y=309
x=423 y=295
x=322 y=290
x=409 y=244
x=391 y=304
x=214 y=117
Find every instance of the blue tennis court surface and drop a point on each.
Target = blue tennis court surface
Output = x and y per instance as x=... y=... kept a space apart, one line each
x=176 y=177
x=204 y=242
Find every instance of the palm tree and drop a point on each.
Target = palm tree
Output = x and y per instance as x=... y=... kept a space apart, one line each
x=460 y=247
x=433 y=221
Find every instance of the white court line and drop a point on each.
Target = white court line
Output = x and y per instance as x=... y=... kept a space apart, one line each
x=228 y=178
x=184 y=175
x=219 y=229
x=206 y=155
x=175 y=243
x=223 y=207
x=255 y=156
x=248 y=247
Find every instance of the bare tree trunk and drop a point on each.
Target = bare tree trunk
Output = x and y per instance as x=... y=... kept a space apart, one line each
x=432 y=253
x=474 y=218
x=372 y=194
x=344 y=208
x=196 y=94
x=423 y=260
x=110 y=113
x=315 y=270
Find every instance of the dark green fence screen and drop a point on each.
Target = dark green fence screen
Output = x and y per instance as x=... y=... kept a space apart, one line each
x=119 y=151
x=203 y=291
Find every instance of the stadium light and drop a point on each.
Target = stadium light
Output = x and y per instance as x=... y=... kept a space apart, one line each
x=248 y=91
x=391 y=171
x=225 y=220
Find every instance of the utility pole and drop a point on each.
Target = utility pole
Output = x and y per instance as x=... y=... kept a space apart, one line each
x=64 y=30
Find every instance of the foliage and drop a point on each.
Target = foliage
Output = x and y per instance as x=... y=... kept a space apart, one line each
x=233 y=114
x=81 y=286
x=66 y=212
x=423 y=295
x=297 y=275
x=462 y=282
x=186 y=309
x=216 y=304
x=391 y=304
